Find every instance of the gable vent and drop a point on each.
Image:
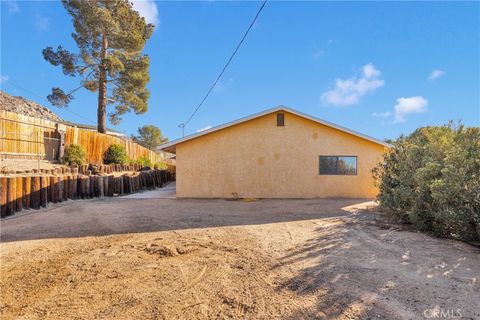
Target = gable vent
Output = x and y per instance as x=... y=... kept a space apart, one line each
x=280 y=119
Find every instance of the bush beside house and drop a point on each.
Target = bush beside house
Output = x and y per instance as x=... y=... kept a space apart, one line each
x=431 y=179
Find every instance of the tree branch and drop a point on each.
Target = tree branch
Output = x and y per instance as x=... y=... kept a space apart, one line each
x=74 y=90
x=83 y=68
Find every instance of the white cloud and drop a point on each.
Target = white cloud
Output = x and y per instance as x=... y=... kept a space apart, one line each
x=4 y=78
x=223 y=85
x=350 y=91
x=41 y=22
x=382 y=114
x=436 y=74
x=12 y=6
x=369 y=71
x=406 y=106
x=318 y=54
x=147 y=9
x=205 y=128
x=322 y=50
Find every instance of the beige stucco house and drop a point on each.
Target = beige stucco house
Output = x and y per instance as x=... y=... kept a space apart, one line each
x=278 y=153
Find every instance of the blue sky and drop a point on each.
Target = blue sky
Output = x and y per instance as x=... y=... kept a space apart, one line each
x=381 y=68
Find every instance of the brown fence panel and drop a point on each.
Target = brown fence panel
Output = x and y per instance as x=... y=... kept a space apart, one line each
x=96 y=143
x=37 y=138
x=28 y=136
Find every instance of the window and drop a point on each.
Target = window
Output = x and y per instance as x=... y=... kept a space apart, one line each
x=338 y=165
x=280 y=119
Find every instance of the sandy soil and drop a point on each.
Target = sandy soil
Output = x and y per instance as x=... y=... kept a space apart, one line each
x=26 y=164
x=204 y=259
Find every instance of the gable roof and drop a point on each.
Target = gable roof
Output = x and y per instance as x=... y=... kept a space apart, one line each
x=170 y=146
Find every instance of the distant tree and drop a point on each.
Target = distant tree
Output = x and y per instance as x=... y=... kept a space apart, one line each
x=110 y=36
x=149 y=136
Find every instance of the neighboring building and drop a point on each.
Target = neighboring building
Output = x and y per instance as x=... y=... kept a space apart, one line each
x=89 y=127
x=278 y=153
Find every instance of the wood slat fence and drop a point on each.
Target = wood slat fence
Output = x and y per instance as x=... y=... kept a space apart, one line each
x=36 y=138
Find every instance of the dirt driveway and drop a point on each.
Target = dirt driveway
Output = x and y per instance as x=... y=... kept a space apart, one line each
x=204 y=259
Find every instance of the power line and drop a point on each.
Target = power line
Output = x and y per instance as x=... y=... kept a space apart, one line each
x=42 y=98
x=183 y=125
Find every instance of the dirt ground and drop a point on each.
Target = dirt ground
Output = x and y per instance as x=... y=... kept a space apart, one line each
x=26 y=164
x=217 y=259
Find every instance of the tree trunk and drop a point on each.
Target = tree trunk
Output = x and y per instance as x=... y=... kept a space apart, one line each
x=102 y=90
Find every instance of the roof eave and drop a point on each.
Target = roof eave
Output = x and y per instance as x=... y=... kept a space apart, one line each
x=170 y=146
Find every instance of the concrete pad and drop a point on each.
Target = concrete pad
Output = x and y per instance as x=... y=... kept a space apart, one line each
x=167 y=192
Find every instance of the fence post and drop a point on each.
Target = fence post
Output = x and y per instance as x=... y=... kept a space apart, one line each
x=11 y=193
x=3 y=197
x=38 y=151
x=19 y=194
x=60 y=188
x=35 y=196
x=26 y=192
x=44 y=182
x=72 y=190
x=54 y=189
x=98 y=189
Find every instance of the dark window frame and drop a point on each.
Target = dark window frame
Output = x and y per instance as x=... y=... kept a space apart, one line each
x=280 y=119
x=337 y=174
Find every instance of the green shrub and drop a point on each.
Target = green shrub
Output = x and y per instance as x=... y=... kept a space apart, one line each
x=115 y=153
x=74 y=154
x=161 y=165
x=145 y=162
x=431 y=179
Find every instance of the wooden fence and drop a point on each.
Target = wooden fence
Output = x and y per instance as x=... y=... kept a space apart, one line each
x=27 y=136
x=35 y=138
x=27 y=191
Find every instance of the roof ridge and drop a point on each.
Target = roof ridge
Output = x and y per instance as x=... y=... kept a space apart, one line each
x=268 y=111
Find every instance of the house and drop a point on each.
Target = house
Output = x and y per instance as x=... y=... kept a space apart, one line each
x=278 y=153
x=88 y=127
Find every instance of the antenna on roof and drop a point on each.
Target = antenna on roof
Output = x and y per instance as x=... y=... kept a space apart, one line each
x=182 y=126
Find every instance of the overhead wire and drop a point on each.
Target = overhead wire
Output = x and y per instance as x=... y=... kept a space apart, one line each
x=43 y=99
x=184 y=124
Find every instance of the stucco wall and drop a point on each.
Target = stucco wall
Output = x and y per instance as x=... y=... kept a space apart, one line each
x=258 y=159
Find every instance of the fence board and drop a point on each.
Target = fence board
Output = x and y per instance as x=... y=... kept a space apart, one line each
x=38 y=138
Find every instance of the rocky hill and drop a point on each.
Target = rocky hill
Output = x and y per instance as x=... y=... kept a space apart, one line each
x=26 y=107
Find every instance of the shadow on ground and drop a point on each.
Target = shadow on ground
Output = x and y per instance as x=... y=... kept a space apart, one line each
x=118 y=216
x=356 y=267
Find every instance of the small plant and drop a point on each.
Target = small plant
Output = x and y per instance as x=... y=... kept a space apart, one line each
x=144 y=161
x=116 y=153
x=161 y=165
x=74 y=154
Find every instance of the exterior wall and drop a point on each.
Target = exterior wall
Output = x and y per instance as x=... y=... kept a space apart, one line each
x=258 y=159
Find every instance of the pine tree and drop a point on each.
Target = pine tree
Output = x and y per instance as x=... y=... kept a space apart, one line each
x=110 y=36
x=150 y=137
